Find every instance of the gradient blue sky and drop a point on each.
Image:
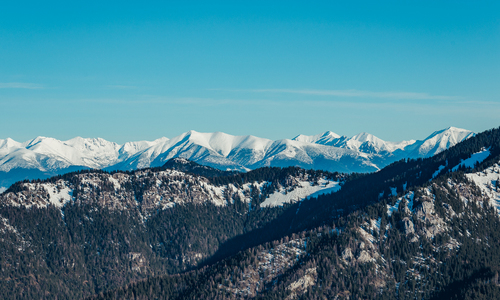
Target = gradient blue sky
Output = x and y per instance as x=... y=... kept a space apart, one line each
x=142 y=70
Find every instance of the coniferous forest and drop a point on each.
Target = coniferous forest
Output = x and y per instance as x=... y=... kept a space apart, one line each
x=417 y=229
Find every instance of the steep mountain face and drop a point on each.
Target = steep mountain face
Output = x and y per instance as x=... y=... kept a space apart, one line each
x=44 y=157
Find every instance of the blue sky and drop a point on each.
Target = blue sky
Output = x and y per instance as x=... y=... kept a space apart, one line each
x=142 y=70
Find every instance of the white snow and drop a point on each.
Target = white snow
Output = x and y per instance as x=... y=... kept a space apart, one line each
x=367 y=236
x=375 y=224
x=475 y=158
x=440 y=168
x=409 y=197
x=45 y=153
x=325 y=191
x=363 y=142
x=58 y=197
x=328 y=151
x=305 y=190
x=217 y=195
x=440 y=141
x=2 y=189
x=391 y=209
x=327 y=138
x=487 y=182
x=115 y=182
x=368 y=142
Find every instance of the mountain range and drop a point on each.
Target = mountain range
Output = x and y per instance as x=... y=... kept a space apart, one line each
x=425 y=228
x=43 y=157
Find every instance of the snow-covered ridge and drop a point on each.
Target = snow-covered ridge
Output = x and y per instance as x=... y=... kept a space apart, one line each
x=364 y=142
x=45 y=156
x=165 y=189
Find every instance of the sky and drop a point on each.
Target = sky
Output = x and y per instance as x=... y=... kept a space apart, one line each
x=141 y=70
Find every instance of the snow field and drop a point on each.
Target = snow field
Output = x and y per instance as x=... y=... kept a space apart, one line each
x=475 y=158
x=488 y=182
x=304 y=191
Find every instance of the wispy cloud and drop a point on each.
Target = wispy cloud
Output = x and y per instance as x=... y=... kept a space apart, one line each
x=121 y=87
x=20 y=85
x=351 y=93
x=181 y=101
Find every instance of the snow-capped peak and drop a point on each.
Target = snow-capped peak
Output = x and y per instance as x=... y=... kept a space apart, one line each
x=366 y=137
x=441 y=140
x=9 y=143
x=34 y=141
x=323 y=139
x=220 y=142
x=130 y=148
x=368 y=143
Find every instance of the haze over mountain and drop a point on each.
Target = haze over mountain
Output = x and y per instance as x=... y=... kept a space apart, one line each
x=43 y=157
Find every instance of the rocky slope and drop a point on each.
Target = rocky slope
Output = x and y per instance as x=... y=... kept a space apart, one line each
x=84 y=232
x=439 y=241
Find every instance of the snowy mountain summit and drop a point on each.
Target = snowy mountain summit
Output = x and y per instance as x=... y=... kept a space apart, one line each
x=44 y=156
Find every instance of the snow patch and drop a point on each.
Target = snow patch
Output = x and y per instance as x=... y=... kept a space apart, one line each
x=374 y=225
x=489 y=182
x=115 y=182
x=217 y=194
x=57 y=196
x=475 y=158
x=409 y=198
x=391 y=209
x=440 y=168
x=305 y=190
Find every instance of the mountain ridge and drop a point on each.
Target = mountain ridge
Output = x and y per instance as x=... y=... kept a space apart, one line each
x=327 y=151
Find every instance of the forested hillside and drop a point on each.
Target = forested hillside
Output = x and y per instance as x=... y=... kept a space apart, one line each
x=81 y=233
x=437 y=239
x=424 y=228
x=437 y=242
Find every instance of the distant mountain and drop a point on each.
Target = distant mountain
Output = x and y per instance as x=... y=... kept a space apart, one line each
x=439 y=141
x=364 y=142
x=43 y=157
x=327 y=138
